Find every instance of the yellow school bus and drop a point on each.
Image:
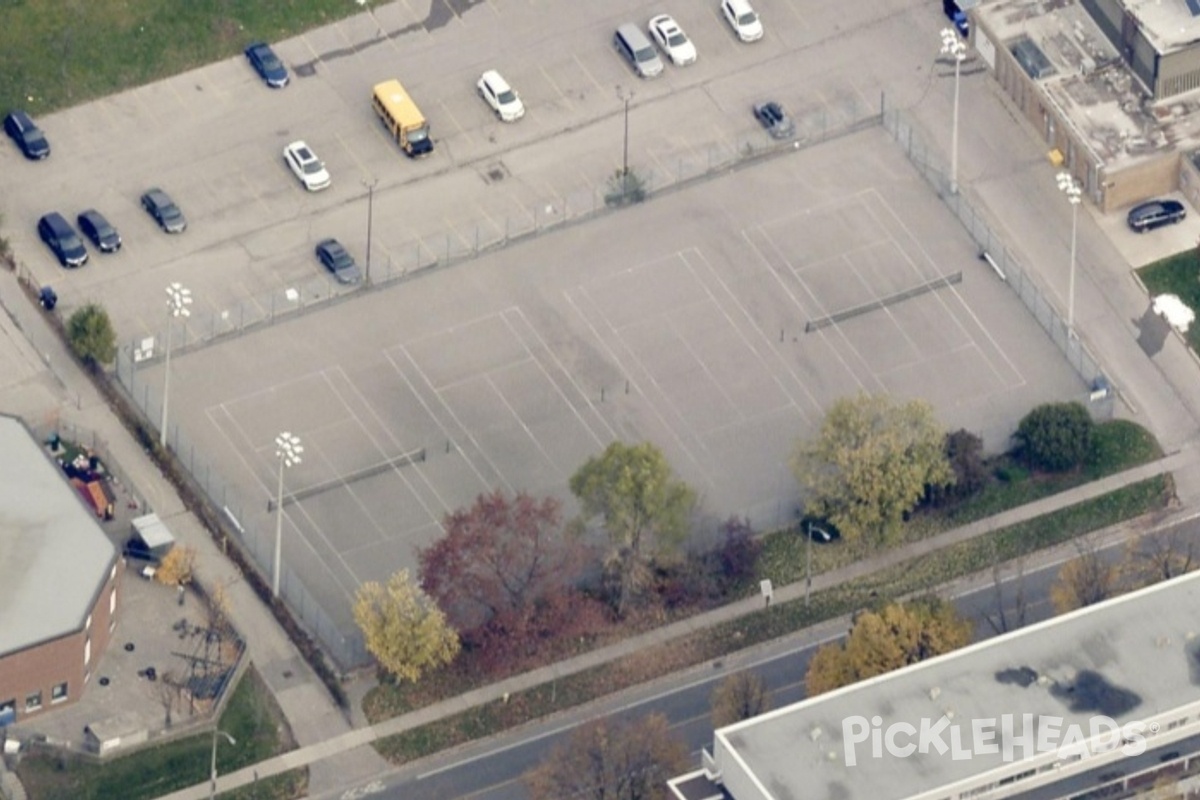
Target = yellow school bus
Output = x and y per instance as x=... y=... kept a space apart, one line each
x=403 y=120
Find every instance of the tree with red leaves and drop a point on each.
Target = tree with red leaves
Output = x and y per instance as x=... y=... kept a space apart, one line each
x=505 y=575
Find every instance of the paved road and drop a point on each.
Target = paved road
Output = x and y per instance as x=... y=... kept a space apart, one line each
x=491 y=770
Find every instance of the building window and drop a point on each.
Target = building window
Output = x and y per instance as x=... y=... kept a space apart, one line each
x=8 y=710
x=58 y=693
x=33 y=702
x=87 y=626
x=112 y=602
x=112 y=575
x=87 y=651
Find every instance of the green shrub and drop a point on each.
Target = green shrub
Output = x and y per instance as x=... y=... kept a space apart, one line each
x=1055 y=436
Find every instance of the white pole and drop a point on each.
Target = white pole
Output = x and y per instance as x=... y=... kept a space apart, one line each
x=162 y=428
x=278 y=530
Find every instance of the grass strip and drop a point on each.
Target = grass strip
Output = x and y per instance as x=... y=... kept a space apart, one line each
x=917 y=575
x=284 y=786
x=251 y=717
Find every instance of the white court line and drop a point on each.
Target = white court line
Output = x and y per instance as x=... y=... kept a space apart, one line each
x=800 y=310
x=558 y=364
x=650 y=380
x=381 y=530
x=483 y=482
x=965 y=306
x=731 y=297
x=310 y=447
x=537 y=442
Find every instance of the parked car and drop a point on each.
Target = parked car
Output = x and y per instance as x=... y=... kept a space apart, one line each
x=159 y=205
x=61 y=238
x=28 y=136
x=309 y=169
x=673 y=41
x=637 y=50
x=502 y=98
x=1154 y=214
x=742 y=18
x=957 y=16
x=339 y=263
x=97 y=228
x=267 y=65
x=772 y=117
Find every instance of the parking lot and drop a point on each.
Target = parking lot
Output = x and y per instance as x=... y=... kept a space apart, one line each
x=213 y=138
x=696 y=321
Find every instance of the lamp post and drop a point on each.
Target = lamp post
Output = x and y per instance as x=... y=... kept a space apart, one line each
x=953 y=46
x=1074 y=192
x=370 y=216
x=212 y=790
x=288 y=452
x=178 y=300
x=625 y=96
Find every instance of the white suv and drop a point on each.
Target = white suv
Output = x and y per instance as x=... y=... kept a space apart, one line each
x=308 y=168
x=742 y=19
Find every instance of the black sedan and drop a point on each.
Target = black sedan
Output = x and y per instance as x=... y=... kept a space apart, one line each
x=159 y=205
x=772 y=117
x=267 y=65
x=339 y=263
x=97 y=228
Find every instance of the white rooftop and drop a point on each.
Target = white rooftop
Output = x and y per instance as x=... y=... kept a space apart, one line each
x=1168 y=24
x=1128 y=659
x=53 y=555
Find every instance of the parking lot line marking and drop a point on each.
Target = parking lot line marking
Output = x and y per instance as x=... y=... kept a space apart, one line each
x=565 y=97
x=592 y=78
x=454 y=119
x=467 y=434
x=362 y=167
x=600 y=441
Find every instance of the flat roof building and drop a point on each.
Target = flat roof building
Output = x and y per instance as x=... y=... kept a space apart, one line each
x=58 y=580
x=1019 y=713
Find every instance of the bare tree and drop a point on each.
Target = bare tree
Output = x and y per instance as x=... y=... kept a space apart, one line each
x=740 y=696
x=1087 y=579
x=1002 y=621
x=1160 y=557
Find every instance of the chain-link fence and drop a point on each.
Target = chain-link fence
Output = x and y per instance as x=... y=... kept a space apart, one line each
x=997 y=254
x=344 y=642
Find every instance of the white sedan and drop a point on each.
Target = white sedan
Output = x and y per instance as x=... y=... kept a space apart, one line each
x=500 y=96
x=309 y=169
x=673 y=41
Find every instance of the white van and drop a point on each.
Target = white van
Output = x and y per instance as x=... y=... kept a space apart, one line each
x=636 y=47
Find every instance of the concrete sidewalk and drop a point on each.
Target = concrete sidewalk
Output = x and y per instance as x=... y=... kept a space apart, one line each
x=352 y=740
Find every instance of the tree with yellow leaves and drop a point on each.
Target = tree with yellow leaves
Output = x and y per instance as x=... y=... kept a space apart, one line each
x=403 y=628
x=871 y=464
x=177 y=566
x=884 y=640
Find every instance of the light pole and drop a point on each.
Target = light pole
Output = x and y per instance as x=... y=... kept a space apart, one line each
x=288 y=452
x=178 y=300
x=212 y=790
x=1071 y=188
x=370 y=216
x=625 y=96
x=952 y=46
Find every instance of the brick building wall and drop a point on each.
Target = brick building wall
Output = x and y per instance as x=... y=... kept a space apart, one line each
x=55 y=672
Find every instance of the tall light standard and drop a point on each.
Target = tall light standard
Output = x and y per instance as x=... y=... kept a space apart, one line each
x=370 y=216
x=178 y=300
x=288 y=452
x=1071 y=188
x=953 y=46
x=625 y=95
x=212 y=790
